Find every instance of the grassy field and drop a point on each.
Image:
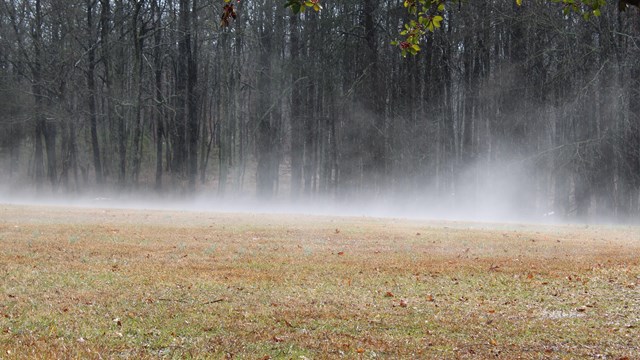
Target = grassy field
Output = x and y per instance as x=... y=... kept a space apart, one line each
x=98 y=283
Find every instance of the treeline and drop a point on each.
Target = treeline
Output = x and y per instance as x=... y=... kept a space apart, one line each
x=519 y=103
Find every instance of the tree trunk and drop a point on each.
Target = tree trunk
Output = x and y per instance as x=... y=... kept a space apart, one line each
x=91 y=94
x=138 y=31
x=159 y=103
x=192 y=98
x=296 y=119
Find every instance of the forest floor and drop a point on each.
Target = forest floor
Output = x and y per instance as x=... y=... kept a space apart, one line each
x=107 y=283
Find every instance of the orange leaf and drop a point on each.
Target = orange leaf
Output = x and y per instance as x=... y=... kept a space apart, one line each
x=389 y=294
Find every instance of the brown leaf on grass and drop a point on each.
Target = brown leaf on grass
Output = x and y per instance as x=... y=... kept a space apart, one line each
x=403 y=303
x=389 y=294
x=341 y=253
x=493 y=342
x=337 y=231
x=530 y=276
x=430 y=298
x=277 y=338
x=360 y=351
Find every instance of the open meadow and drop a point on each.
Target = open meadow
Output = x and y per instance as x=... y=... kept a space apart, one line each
x=107 y=283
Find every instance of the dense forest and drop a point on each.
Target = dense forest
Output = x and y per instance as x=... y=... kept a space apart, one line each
x=525 y=104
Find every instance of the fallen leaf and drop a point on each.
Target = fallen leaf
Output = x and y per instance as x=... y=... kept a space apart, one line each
x=360 y=350
x=403 y=303
x=389 y=294
x=277 y=338
x=493 y=342
x=430 y=298
x=341 y=253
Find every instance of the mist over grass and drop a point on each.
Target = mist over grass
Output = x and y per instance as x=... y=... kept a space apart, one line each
x=484 y=193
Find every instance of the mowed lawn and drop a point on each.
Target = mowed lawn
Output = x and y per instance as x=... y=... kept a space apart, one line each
x=105 y=283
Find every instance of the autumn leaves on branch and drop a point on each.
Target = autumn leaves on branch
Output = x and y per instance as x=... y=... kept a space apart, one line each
x=427 y=15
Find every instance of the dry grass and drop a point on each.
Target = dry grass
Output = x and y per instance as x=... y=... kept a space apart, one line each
x=93 y=283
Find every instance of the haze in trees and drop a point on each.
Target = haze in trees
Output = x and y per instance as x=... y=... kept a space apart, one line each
x=520 y=112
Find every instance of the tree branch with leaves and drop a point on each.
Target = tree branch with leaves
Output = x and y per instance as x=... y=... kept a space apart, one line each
x=427 y=15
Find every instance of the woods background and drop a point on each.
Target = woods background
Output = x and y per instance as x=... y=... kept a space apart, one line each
x=515 y=109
